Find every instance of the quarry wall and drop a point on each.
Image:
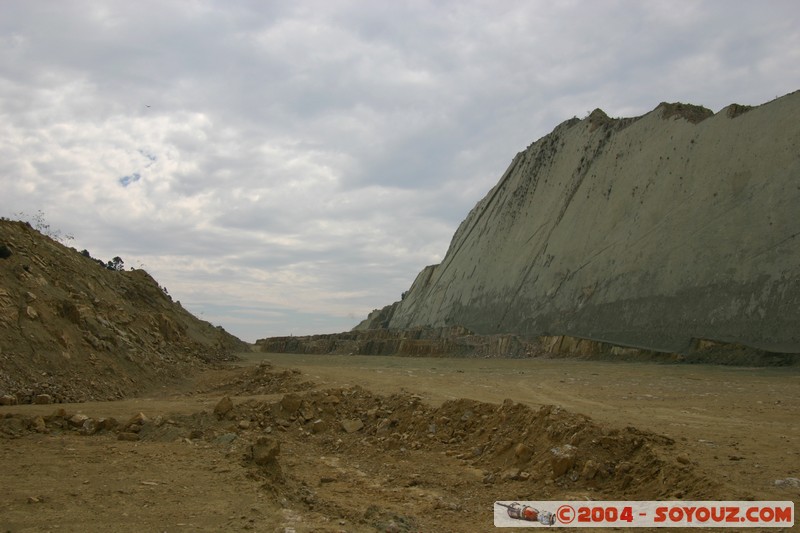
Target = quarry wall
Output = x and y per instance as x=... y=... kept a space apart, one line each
x=647 y=232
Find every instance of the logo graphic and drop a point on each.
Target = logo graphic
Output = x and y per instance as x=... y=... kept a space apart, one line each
x=631 y=514
x=518 y=511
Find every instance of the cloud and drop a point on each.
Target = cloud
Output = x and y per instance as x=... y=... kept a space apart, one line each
x=286 y=167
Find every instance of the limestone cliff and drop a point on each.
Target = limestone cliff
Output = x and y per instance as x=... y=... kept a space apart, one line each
x=646 y=232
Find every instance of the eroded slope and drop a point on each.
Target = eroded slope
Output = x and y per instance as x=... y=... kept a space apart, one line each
x=71 y=330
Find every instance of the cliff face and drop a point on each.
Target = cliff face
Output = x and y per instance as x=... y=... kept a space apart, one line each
x=645 y=232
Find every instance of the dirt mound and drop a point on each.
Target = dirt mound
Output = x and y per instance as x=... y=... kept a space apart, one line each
x=509 y=443
x=394 y=463
x=260 y=380
x=72 y=330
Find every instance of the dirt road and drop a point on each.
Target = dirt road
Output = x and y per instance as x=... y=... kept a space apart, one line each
x=359 y=443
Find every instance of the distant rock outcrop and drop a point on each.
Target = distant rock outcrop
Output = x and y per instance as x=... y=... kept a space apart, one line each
x=419 y=342
x=73 y=330
x=650 y=232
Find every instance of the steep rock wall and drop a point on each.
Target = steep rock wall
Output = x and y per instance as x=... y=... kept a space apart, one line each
x=645 y=232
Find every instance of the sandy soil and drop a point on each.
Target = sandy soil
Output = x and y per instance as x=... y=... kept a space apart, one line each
x=360 y=443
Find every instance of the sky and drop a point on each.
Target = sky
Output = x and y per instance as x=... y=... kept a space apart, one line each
x=284 y=168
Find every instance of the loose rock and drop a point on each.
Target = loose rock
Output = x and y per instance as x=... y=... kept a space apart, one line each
x=39 y=425
x=90 y=426
x=78 y=420
x=318 y=426
x=523 y=452
x=352 y=425
x=789 y=482
x=590 y=469
x=223 y=407
x=137 y=419
x=265 y=451
x=291 y=403
x=43 y=399
x=227 y=438
x=562 y=459
x=7 y=399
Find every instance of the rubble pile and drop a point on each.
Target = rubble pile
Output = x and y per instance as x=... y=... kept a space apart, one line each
x=328 y=455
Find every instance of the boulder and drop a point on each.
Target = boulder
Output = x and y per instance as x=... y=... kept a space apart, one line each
x=43 y=399
x=77 y=420
x=223 y=407
x=8 y=399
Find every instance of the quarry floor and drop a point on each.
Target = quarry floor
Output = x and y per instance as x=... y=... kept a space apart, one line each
x=734 y=431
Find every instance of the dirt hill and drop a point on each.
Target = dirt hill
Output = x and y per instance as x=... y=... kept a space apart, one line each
x=647 y=232
x=73 y=330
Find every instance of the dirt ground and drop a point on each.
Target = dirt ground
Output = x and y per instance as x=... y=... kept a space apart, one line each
x=391 y=444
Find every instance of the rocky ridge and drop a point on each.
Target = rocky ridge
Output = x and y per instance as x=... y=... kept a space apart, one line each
x=71 y=330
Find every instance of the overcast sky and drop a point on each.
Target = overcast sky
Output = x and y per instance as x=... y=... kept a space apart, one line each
x=286 y=167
